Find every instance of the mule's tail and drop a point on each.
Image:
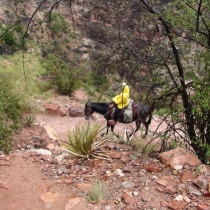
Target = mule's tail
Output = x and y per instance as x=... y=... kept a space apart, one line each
x=150 y=118
x=151 y=111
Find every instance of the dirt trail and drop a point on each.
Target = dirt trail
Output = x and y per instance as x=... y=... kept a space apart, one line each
x=62 y=125
x=23 y=185
x=22 y=180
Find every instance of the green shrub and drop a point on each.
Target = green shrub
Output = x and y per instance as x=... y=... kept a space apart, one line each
x=144 y=147
x=161 y=112
x=9 y=38
x=18 y=28
x=5 y=138
x=16 y=2
x=64 y=75
x=26 y=85
x=56 y=44
x=58 y=23
x=97 y=192
x=10 y=114
x=66 y=82
x=68 y=47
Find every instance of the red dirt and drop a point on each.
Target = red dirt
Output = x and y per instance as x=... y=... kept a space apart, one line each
x=29 y=181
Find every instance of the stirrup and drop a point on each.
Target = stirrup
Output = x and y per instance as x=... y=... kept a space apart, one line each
x=111 y=122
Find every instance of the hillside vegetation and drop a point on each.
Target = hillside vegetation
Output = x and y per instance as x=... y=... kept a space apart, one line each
x=26 y=80
x=160 y=49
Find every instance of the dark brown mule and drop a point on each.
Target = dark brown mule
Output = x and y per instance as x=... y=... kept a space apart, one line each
x=140 y=114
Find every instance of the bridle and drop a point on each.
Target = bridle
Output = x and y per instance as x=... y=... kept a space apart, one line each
x=89 y=110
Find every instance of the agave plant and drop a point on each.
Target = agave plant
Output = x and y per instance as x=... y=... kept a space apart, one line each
x=85 y=141
x=29 y=120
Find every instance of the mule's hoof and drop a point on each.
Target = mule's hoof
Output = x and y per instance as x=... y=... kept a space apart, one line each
x=103 y=134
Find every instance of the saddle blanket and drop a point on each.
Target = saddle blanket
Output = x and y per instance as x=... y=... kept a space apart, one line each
x=128 y=112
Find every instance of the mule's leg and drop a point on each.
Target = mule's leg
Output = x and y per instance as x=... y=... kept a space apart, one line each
x=107 y=130
x=112 y=130
x=138 y=123
x=146 y=128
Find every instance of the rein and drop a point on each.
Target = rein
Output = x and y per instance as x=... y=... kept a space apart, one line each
x=89 y=110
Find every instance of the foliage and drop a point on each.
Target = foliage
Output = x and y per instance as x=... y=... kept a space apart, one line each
x=9 y=38
x=178 y=56
x=18 y=28
x=16 y=2
x=85 y=142
x=26 y=84
x=56 y=44
x=10 y=114
x=97 y=192
x=164 y=54
x=29 y=120
x=98 y=80
x=64 y=75
x=57 y=23
x=161 y=112
x=145 y=148
x=12 y=38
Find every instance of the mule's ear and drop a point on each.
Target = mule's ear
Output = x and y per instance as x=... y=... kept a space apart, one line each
x=88 y=103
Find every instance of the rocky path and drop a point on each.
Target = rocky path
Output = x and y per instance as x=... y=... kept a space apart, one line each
x=24 y=187
x=39 y=174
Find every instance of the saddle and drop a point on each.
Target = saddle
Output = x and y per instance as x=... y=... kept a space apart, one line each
x=127 y=113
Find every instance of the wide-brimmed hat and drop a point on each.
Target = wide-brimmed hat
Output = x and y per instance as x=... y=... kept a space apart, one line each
x=124 y=84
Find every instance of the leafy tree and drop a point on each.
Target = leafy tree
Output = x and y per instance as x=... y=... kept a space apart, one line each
x=181 y=47
x=164 y=51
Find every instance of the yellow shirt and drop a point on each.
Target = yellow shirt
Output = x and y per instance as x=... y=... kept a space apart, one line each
x=122 y=100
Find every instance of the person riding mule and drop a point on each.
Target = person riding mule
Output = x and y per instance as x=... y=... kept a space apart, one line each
x=120 y=102
x=122 y=109
x=141 y=114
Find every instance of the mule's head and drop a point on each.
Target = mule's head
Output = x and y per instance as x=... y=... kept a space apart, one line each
x=88 y=110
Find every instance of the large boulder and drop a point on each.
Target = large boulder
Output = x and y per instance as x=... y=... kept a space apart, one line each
x=179 y=157
x=52 y=109
x=76 y=112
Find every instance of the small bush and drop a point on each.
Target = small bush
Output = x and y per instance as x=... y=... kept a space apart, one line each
x=18 y=28
x=145 y=148
x=62 y=74
x=56 y=44
x=5 y=139
x=66 y=82
x=97 y=192
x=161 y=112
x=58 y=23
x=29 y=120
x=9 y=38
x=10 y=115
